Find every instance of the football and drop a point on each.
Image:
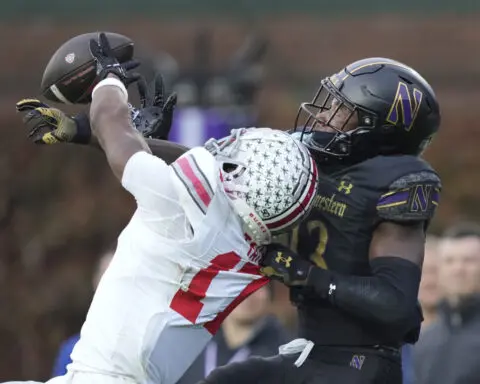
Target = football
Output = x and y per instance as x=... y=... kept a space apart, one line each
x=69 y=76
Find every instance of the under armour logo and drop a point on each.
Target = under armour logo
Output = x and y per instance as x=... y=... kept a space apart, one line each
x=357 y=361
x=345 y=187
x=285 y=260
x=331 y=288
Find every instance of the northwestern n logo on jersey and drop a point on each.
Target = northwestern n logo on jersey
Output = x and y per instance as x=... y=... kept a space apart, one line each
x=405 y=106
x=357 y=361
x=424 y=197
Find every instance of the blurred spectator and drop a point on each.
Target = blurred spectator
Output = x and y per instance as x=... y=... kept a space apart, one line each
x=212 y=101
x=448 y=349
x=248 y=331
x=63 y=356
x=429 y=297
x=428 y=294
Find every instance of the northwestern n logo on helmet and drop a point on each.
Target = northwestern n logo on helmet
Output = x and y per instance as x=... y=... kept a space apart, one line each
x=405 y=106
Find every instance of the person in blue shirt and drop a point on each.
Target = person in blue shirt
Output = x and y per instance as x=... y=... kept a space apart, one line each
x=407 y=364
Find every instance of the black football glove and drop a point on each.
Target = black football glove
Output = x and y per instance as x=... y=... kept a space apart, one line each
x=154 y=118
x=48 y=125
x=107 y=62
x=281 y=263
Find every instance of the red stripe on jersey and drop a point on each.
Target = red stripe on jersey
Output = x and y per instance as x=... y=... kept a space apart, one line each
x=187 y=169
x=251 y=269
x=188 y=303
x=214 y=325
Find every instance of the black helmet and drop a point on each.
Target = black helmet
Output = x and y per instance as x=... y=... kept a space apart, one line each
x=392 y=107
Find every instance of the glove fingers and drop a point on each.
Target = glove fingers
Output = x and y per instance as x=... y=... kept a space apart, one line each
x=36 y=125
x=95 y=49
x=35 y=119
x=39 y=130
x=145 y=99
x=48 y=138
x=132 y=78
x=105 y=45
x=37 y=139
x=50 y=115
x=29 y=104
x=32 y=117
x=159 y=98
x=170 y=104
x=132 y=64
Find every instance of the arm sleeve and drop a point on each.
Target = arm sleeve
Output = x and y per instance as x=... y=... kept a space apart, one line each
x=388 y=296
x=252 y=370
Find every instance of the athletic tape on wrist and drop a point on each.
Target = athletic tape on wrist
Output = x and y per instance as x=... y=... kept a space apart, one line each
x=113 y=82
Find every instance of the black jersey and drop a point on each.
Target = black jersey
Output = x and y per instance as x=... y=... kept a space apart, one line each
x=351 y=202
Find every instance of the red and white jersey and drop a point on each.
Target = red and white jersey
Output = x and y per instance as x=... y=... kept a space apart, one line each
x=181 y=266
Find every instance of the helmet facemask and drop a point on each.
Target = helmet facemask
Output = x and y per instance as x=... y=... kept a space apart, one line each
x=330 y=123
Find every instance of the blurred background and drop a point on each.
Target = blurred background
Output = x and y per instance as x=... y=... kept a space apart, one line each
x=235 y=63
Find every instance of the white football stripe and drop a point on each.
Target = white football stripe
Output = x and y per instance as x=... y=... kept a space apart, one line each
x=59 y=94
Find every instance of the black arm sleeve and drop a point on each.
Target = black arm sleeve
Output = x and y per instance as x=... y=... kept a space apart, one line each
x=389 y=295
x=252 y=370
x=166 y=150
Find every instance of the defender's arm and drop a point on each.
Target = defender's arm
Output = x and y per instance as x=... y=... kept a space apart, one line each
x=389 y=293
x=166 y=150
x=163 y=149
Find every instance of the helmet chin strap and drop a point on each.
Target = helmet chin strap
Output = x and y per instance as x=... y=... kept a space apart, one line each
x=253 y=225
x=323 y=138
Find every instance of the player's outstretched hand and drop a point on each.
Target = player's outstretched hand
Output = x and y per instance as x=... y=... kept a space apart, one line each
x=154 y=118
x=281 y=263
x=48 y=125
x=107 y=63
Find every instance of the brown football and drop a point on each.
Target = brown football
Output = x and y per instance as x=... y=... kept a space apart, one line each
x=69 y=76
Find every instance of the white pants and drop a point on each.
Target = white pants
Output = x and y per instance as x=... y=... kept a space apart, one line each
x=82 y=378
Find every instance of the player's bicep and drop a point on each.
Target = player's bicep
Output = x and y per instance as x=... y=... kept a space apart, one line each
x=406 y=241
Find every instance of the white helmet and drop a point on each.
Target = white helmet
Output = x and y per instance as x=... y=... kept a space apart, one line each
x=270 y=178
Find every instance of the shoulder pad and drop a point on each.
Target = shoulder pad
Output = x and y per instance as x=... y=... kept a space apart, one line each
x=412 y=197
x=205 y=162
x=199 y=174
x=382 y=171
